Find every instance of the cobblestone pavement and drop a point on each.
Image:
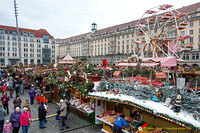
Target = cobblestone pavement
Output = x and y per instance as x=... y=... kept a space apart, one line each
x=76 y=124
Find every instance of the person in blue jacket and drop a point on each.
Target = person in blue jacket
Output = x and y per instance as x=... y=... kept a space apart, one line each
x=120 y=122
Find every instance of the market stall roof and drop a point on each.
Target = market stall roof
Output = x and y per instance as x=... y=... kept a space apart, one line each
x=165 y=61
x=135 y=64
x=68 y=60
x=68 y=57
x=158 y=108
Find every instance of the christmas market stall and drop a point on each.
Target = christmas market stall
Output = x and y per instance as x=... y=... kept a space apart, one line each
x=147 y=108
x=75 y=88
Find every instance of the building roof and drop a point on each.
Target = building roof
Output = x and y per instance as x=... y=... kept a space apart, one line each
x=73 y=37
x=37 y=33
x=185 y=9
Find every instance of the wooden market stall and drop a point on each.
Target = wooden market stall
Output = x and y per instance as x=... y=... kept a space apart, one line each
x=106 y=110
x=79 y=105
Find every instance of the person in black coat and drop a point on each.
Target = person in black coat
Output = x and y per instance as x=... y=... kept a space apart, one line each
x=41 y=115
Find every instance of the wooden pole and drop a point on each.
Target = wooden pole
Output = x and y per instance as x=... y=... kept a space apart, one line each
x=105 y=108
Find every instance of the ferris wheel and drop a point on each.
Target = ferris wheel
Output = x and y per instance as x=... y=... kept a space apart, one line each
x=162 y=30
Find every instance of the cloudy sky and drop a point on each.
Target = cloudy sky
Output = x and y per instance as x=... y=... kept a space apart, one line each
x=65 y=18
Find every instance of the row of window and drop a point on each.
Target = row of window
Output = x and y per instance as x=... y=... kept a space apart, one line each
x=195 y=56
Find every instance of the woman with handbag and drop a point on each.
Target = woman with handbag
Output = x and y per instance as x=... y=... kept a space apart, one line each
x=15 y=120
x=25 y=120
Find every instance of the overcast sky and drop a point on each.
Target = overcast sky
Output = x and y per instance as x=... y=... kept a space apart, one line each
x=65 y=18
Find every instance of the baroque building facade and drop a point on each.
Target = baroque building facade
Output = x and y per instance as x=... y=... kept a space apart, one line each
x=116 y=43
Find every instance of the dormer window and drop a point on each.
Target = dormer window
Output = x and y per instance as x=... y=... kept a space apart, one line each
x=2 y=31
x=31 y=34
x=45 y=38
x=25 y=34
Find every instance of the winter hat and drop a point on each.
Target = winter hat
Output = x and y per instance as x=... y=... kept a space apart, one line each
x=17 y=108
x=179 y=97
x=25 y=108
x=61 y=100
x=7 y=121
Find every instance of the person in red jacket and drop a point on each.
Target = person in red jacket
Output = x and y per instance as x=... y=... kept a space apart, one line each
x=24 y=120
x=4 y=88
x=5 y=102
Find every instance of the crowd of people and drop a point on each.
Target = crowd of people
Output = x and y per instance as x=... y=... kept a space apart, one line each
x=13 y=84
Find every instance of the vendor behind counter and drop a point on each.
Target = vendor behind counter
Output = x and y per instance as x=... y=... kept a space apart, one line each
x=119 y=124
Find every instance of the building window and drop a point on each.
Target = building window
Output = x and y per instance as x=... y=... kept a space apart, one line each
x=2 y=31
x=122 y=36
x=32 y=61
x=132 y=34
x=53 y=42
x=127 y=49
x=38 y=61
x=198 y=9
x=14 y=49
x=193 y=56
x=191 y=24
x=127 y=42
x=2 y=61
x=127 y=35
x=25 y=34
x=14 y=38
x=2 y=48
x=193 y=15
x=199 y=47
x=14 y=32
x=197 y=56
x=15 y=54
x=191 y=40
x=187 y=57
x=45 y=38
x=191 y=32
x=31 y=40
x=122 y=42
x=31 y=34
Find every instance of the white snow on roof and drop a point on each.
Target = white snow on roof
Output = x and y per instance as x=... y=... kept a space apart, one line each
x=157 y=107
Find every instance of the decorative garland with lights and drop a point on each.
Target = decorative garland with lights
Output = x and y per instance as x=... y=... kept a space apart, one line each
x=149 y=111
x=79 y=87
